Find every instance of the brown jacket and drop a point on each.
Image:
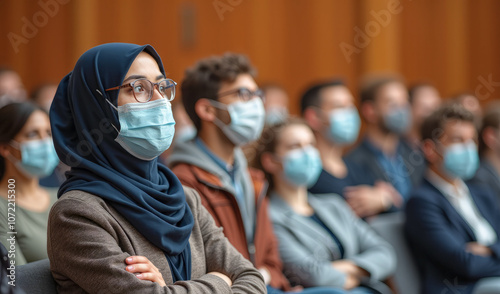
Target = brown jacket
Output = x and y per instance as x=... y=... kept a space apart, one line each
x=223 y=206
x=88 y=242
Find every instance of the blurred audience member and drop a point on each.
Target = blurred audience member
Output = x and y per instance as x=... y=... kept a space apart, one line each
x=43 y=95
x=386 y=159
x=184 y=129
x=328 y=108
x=488 y=173
x=11 y=87
x=26 y=154
x=322 y=243
x=223 y=101
x=275 y=104
x=452 y=227
x=471 y=103
x=424 y=100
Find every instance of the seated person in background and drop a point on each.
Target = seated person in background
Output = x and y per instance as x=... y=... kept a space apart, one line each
x=184 y=129
x=452 y=227
x=43 y=96
x=275 y=104
x=26 y=154
x=424 y=100
x=472 y=104
x=123 y=222
x=223 y=101
x=11 y=87
x=328 y=108
x=322 y=243
x=385 y=158
x=488 y=173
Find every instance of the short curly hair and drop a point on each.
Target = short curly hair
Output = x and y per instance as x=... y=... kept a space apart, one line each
x=433 y=126
x=204 y=79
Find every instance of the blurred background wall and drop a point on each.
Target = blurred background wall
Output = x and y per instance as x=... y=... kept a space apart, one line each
x=453 y=44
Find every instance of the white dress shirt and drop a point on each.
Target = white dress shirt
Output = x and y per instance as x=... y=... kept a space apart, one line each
x=460 y=198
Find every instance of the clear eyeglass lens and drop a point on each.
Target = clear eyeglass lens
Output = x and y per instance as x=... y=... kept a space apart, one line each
x=167 y=89
x=142 y=90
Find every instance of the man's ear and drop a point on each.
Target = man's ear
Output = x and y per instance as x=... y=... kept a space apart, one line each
x=4 y=150
x=204 y=109
x=269 y=163
x=367 y=110
x=489 y=137
x=312 y=119
x=430 y=151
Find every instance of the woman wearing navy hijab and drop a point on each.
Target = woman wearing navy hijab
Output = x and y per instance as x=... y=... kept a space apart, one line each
x=123 y=222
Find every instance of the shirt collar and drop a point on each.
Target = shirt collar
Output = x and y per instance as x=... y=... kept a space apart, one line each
x=221 y=163
x=446 y=188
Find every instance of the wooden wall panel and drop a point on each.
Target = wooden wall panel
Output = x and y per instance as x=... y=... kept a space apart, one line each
x=452 y=43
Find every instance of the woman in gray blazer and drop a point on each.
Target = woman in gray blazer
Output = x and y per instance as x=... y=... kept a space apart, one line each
x=123 y=222
x=322 y=242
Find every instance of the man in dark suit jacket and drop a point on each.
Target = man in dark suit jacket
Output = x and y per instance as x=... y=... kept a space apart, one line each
x=452 y=227
x=383 y=156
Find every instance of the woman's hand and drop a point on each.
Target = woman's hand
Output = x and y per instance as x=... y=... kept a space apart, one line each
x=144 y=269
x=222 y=276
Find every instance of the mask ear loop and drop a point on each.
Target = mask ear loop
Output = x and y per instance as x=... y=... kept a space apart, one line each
x=116 y=108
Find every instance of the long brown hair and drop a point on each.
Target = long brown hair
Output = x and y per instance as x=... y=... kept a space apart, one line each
x=267 y=144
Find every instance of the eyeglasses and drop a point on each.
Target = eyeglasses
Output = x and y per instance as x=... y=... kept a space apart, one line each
x=244 y=94
x=143 y=89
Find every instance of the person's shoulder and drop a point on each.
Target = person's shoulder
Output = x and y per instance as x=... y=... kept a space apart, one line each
x=192 y=197
x=79 y=201
x=424 y=193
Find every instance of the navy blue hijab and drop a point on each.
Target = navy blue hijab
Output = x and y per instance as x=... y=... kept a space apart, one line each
x=146 y=193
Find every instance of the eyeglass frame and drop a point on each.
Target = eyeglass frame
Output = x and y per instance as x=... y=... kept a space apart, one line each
x=238 y=91
x=155 y=86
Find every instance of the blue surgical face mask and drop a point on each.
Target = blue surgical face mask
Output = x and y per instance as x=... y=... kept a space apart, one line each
x=185 y=134
x=302 y=167
x=461 y=160
x=276 y=115
x=344 y=125
x=247 y=120
x=398 y=120
x=38 y=158
x=146 y=129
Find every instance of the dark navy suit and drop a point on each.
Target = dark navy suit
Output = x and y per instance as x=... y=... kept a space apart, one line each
x=437 y=235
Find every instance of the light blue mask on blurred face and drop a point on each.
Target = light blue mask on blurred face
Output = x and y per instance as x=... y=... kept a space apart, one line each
x=302 y=167
x=461 y=160
x=247 y=120
x=38 y=158
x=146 y=129
x=344 y=125
x=276 y=115
x=398 y=120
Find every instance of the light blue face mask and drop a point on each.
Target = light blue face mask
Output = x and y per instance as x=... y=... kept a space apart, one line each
x=276 y=115
x=146 y=129
x=185 y=134
x=38 y=158
x=247 y=120
x=461 y=160
x=398 y=120
x=344 y=125
x=302 y=167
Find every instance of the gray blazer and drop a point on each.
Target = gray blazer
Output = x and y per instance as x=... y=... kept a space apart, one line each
x=307 y=250
x=88 y=242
